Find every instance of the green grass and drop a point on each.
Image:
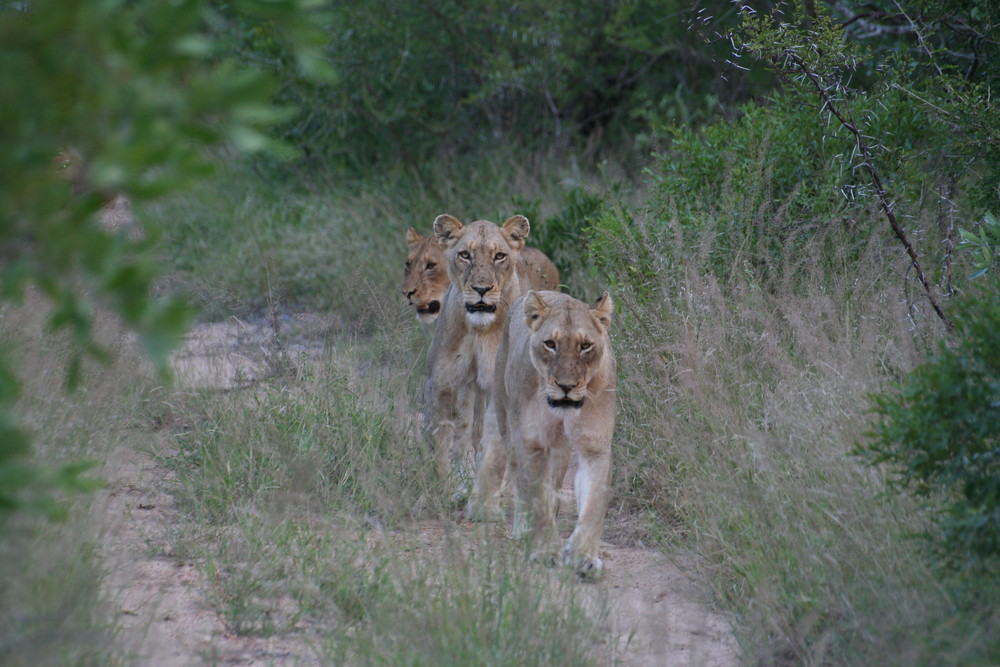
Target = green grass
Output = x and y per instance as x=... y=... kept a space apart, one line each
x=54 y=608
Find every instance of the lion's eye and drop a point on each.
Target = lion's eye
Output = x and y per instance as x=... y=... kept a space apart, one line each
x=549 y=344
x=464 y=254
x=430 y=266
x=499 y=256
x=586 y=347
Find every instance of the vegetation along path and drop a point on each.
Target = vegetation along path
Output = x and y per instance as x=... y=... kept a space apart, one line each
x=166 y=597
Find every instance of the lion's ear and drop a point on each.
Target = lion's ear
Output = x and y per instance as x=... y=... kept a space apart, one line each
x=602 y=309
x=413 y=238
x=516 y=229
x=535 y=309
x=446 y=229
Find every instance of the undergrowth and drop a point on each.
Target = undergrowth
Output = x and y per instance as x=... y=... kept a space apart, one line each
x=56 y=607
x=743 y=391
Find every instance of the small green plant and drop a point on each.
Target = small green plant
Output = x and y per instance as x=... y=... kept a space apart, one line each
x=940 y=436
x=984 y=244
x=561 y=236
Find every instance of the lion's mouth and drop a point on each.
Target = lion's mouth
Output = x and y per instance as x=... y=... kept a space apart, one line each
x=430 y=309
x=480 y=307
x=565 y=403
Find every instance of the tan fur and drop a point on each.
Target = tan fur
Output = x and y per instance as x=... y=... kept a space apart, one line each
x=486 y=277
x=426 y=281
x=542 y=273
x=554 y=393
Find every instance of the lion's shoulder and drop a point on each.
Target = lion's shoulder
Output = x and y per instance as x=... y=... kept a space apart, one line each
x=541 y=272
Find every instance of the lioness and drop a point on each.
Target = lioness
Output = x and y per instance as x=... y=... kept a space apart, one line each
x=554 y=390
x=486 y=277
x=425 y=279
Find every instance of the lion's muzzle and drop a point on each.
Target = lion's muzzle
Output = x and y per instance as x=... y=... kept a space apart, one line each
x=431 y=308
x=567 y=402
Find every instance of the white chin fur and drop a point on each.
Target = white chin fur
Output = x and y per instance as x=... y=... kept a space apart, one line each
x=427 y=318
x=479 y=320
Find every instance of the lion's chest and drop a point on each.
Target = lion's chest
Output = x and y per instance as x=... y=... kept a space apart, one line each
x=548 y=427
x=474 y=361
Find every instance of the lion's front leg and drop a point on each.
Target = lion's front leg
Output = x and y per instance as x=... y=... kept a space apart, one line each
x=461 y=450
x=440 y=425
x=484 y=502
x=537 y=502
x=593 y=492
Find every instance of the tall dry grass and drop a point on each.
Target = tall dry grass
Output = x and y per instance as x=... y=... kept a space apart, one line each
x=741 y=399
x=56 y=605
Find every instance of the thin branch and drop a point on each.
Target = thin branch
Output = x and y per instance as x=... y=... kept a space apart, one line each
x=920 y=38
x=869 y=165
x=913 y=94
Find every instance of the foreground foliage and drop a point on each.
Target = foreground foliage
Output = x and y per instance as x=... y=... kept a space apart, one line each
x=940 y=435
x=103 y=100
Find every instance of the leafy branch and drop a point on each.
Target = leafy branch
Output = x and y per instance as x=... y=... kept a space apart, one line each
x=820 y=65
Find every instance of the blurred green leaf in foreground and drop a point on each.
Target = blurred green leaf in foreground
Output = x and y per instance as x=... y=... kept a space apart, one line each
x=107 y=104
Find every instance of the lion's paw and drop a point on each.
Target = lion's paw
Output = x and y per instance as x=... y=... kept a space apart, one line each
x=548 y=558
x=588 y=568
x=483 y=512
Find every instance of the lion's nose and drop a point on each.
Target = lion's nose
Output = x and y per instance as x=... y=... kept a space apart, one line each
x=483 y=290
x=411 y=293
x=565 y=387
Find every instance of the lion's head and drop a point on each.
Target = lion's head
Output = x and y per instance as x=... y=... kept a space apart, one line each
x=482 y=263
x=426 y=278
x=567 y=344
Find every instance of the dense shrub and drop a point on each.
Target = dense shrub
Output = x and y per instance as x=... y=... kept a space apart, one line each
x=104 y=100
x=940 y=435
x=419 y=81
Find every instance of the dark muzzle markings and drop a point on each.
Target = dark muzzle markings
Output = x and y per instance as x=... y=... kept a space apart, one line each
x=565 y=403
x=430 y=309
x=480 y=307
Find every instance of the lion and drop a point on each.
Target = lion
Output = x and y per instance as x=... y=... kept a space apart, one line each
x=486 y=277
x=425 y=279
x=554 y=392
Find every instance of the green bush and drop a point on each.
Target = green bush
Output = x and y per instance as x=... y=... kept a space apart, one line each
x=940 y=436
x=440 y=80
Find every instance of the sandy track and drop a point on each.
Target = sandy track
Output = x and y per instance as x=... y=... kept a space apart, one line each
x=159 y=596
x=657 y=618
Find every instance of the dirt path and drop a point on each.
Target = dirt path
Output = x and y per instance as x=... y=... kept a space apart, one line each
x=657 y=618
x=164 y=619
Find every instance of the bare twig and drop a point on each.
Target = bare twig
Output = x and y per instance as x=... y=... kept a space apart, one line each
x=946 y=223
x=869 y=165
x=920 y=38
